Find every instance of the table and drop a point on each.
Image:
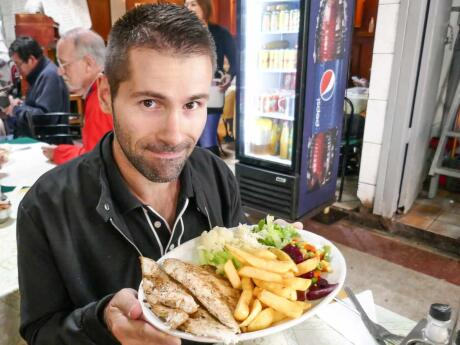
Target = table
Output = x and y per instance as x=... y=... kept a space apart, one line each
x=26 y=164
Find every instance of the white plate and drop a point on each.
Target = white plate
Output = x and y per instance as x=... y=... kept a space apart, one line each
x=187 y=252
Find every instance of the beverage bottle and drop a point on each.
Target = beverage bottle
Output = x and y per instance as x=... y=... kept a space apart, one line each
x=284 y=141
x=266 y=20
x=291 y=134
x=275 y=139
x=438 y=321
x=274 y=20
x=330 y=31
x=317 y=150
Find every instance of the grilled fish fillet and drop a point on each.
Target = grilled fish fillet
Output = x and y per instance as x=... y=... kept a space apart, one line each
x=172 y=316
x=161 y=289
x=203 y=324
x=203 y=286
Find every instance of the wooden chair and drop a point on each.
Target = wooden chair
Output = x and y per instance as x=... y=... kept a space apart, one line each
x=53 y=128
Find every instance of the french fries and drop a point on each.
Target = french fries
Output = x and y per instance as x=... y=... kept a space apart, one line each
x=269 y=280
x=280 y=304
x=255 y=261
x=255 y=310
x=263 y=320
x=264 y=254
x=242 y=308
x=300 y=284
x=232 y=274
x=258 y=273
x=307 y=265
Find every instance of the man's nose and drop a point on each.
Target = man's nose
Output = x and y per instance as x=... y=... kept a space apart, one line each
x=172 y=127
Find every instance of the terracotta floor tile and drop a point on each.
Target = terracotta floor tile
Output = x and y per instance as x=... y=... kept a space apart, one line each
x=449 y=217
x=390 y=249
x=445 y=229
x=426 y=209
x=417 y=220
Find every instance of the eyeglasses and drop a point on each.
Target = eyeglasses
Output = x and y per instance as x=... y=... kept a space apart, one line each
x=66 y=64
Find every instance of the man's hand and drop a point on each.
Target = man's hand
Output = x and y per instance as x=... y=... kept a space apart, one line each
x=123 y=317
x=297 y=225
x=48 y=151
x=13 y=102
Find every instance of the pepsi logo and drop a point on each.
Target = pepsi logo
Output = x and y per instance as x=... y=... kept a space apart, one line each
x=327 y=85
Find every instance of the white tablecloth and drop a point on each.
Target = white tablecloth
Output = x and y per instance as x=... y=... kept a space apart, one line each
x=25 y=165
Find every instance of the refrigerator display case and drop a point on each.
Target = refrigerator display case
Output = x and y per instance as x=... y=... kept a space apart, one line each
x=293 y=67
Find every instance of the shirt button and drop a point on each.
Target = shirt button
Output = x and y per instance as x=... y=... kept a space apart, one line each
x=157 y=224
x=171 y=246
x=106 y=207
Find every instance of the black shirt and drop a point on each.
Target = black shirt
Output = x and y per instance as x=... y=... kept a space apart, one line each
x=149 y=230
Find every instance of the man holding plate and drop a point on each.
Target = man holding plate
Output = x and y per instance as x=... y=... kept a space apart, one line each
x=142 y=191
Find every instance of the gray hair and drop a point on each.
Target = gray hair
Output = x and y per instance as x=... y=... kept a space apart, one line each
x=87 y=42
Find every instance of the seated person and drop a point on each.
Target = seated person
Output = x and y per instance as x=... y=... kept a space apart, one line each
x=81 y=54
x=47 y=91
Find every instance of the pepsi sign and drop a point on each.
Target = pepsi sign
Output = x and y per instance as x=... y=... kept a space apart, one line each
x=327 y=85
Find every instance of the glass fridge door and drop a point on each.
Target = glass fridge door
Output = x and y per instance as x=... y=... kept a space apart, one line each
x=269 y=36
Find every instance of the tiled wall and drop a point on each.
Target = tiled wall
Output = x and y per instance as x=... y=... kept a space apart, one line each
x=385 y=36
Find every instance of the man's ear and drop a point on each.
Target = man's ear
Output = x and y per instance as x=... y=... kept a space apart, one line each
x=103 y=92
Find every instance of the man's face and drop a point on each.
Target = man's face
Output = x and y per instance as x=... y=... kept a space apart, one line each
x=160 y=111
x=72 y=67
x=194 y=6
x=24 y=67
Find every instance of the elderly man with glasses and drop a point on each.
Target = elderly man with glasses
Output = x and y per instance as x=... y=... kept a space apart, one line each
x=81 y=56
x=47 y=91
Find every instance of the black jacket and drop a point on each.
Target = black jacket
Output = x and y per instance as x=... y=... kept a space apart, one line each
x=47 y=93
x=75 y=251
x=225 y=47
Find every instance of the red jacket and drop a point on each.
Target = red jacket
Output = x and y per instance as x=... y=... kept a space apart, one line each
x=96 y=124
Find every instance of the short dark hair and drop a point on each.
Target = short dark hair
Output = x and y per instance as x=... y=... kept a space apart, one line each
x=25 y=47
x=164 y=28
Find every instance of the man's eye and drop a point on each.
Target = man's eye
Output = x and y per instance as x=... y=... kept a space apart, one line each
x=192 y=105
x=149 y=103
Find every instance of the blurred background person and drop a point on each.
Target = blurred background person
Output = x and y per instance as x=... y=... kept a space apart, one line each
x=81 y=56
x=47 y=91
x=225 y=48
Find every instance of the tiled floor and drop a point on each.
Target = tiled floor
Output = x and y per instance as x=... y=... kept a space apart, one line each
x=440 y=215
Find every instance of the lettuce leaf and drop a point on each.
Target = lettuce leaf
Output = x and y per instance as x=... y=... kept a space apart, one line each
x=275 y=235
x=217 y=259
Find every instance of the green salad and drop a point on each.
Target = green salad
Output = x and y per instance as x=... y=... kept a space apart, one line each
x=211 y=244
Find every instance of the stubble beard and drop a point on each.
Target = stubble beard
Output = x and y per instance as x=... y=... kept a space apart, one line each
x=158 y=170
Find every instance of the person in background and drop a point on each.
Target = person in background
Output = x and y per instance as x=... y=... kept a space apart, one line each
x=81 y=55
x=142 y=191
x=225 y=48
x=47 y=91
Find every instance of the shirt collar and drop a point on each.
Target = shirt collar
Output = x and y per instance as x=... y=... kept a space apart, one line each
x=33 y=75
x=119 y=190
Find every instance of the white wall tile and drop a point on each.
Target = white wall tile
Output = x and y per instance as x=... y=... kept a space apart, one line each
x=366 y=194
x=385 y=33
x=380 y=76
x=369 y=163
x=375 y=121
x=384 y=2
